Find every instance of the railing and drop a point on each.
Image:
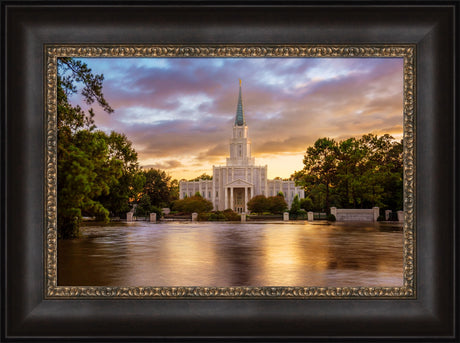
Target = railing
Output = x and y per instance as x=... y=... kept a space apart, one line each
x=319 y=216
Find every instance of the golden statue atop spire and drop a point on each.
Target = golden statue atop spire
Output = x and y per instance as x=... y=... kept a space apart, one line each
x=240 y=82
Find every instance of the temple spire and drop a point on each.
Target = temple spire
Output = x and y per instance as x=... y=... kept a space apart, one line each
x=239 y=119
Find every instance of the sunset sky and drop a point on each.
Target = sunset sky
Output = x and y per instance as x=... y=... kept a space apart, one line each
x=179 y=112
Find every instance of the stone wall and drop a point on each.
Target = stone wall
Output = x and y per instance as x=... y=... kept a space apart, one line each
x=355 y=215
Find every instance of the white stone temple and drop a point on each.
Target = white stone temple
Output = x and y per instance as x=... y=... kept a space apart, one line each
x=234 y=184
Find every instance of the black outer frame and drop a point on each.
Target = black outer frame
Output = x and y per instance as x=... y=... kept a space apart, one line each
x=28 y=26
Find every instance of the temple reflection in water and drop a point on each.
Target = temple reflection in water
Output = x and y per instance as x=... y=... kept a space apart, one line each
x=233 y=254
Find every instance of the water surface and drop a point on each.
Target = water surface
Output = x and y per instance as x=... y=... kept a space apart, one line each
x=233 y=254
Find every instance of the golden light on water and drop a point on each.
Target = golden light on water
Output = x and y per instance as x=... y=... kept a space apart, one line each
x=233 y=254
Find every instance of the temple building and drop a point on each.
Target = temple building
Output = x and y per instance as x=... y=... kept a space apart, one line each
x=234 y=184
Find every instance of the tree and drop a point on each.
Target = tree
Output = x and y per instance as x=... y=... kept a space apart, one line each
x=258 y=204
x=131 y=181
x=86 y=172
x=277 y=204
x=307 y=204
x=144 y=206
x=349 y=166
x=295 y=206
x=320 y=168
x=353 y=173
x=393 y=183
x=159 y=186
x=70 y=73
x=203 y=176
x=373 y=183
x=385 y=166
x=84 y=169
x=192 y=204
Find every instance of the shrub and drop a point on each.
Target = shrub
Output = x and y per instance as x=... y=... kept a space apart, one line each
x=258 y=204
x=330 y=218
x=295 y=206
x=277 y=204
x=203 y=217
x=217 y=215
x=230 y=215
x=192 y=204
x=393 y=216
x=144 y=208
x=307 y=204
x=380 y=218
x=302 y=213
x=69 y=223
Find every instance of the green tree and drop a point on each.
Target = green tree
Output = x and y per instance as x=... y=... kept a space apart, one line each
x=160 y=187
x=277 y=204
x=349 y=168
x=258 y=204
x=320 y=167
x=307 y=204
x=84 y=168
x=126 y=188
x=192 y=204
x=203 y=176
x=144 y=206
x=393 y=183
x=72 y=72
x=384 y=171
x=295 y=206
x=357 y=173
x=85 y=172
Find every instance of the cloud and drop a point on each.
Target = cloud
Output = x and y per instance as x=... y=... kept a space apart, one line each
x=171 y=164
x=183 y=109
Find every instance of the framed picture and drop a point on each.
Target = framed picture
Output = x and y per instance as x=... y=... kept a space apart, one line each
x=381 y=109
x=364 y=172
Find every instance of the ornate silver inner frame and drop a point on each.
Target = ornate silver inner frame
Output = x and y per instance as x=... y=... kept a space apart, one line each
x=407 y=52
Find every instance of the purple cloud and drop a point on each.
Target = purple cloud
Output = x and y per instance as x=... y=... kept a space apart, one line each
x=182 y=109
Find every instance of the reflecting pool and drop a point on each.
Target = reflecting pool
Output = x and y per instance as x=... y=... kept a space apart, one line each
x=233 y=254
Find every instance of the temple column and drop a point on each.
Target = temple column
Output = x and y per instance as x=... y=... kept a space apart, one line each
x=260 y=183
x=226 y=197
x=266 y=181
x=245 y=199
x=288 y=196
x=231 y=198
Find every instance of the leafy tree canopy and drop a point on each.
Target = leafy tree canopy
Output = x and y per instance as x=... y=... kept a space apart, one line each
x=353 y=173
x=160 y=187
x=258 y=204
x=97 y=172
x=203 y=176
x=277 y=204
x=193 y=204
x=295 y=206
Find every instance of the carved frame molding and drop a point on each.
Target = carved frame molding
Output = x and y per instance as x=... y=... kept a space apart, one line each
x=407 y=52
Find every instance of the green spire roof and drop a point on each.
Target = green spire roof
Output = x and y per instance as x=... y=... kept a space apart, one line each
x=239 y=119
